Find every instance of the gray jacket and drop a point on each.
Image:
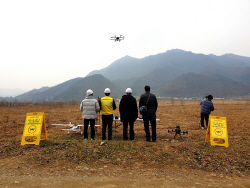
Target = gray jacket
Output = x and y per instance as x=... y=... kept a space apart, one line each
x=89 y=106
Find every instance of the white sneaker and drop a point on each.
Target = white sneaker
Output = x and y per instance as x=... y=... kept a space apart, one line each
x=92 y=139
x=85 y=139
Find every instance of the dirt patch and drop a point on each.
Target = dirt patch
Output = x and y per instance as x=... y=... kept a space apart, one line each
x=65 y=160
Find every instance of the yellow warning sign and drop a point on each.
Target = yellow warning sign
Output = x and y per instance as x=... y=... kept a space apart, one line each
x=34 y=129
x=217 y=131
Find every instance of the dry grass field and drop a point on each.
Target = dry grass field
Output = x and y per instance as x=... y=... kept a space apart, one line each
x=66 y=160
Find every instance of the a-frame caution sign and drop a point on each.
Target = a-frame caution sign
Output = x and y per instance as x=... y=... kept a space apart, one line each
x=34 y=129
x=217 y=131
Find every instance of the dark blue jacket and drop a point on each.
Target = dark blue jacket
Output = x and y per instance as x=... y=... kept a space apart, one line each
x=207 y=106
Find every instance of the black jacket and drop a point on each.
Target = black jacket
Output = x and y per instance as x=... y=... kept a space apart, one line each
x=152 y=102
x=128 y=108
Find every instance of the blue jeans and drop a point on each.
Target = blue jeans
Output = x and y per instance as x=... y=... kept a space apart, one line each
x=152 y=118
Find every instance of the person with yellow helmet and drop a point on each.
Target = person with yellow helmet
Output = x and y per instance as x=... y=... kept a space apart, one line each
x=107 y=106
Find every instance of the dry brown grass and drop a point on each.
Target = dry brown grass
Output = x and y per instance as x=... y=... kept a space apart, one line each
x=61 y=149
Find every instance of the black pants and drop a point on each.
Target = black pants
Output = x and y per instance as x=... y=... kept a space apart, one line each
x=152 y=118
x=131 y=130
x=92 y=126
x=206 y=116
x=107 y=120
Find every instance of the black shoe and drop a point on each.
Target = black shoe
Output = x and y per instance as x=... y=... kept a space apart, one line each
x=154 y=141
x=147 y=140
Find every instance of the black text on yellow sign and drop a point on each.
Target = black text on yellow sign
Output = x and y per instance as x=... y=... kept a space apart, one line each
x=34 y=129
x=217 y=131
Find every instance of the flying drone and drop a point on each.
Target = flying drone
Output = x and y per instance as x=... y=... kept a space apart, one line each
x=115 y=38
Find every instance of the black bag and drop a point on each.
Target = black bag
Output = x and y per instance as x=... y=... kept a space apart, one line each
x=144 y=109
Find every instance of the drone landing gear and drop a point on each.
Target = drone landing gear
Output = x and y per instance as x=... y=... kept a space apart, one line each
x=178 y=131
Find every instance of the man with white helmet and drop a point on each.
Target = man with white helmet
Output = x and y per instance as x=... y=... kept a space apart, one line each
x=128 y=113
x=89 y=106
x=107 y=105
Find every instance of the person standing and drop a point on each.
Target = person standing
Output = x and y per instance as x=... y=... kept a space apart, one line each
x=89 y=106
x=128 y=113
x=148 y=99
x=206 y=108
x=107 y=106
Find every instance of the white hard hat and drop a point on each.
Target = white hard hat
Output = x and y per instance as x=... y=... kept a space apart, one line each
x=89 y=92
x=128 y=90
x=107 y=90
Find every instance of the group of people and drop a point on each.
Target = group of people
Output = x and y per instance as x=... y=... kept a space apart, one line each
x=128 y=113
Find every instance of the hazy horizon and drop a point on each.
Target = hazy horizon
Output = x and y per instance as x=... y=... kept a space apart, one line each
x=44 y=43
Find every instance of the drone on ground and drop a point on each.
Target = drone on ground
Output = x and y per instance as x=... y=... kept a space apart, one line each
x=115 y=38
x=178 y=131
x=73 y=127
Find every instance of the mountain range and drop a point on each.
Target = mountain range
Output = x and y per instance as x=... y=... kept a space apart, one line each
x=175 y=73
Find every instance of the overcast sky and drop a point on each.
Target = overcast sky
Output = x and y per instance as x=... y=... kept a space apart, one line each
x=45 y=43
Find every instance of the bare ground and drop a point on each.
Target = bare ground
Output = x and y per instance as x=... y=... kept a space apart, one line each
x=65 y=160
